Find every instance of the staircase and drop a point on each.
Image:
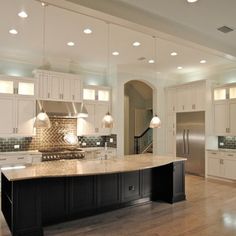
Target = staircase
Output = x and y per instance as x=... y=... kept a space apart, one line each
x=143 y=143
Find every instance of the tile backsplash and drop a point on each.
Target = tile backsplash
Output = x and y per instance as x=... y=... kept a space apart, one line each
x=53 y=137
x=227 y=142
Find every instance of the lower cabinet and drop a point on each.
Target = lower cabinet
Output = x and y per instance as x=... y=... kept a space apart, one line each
x=169 y=182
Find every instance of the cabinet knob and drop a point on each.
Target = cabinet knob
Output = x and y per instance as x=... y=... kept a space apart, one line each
x=131 y=188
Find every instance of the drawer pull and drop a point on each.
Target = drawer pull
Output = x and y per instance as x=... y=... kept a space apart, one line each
x=3 y=159
x=20 y=158
x=214 y=153
x=230 y=155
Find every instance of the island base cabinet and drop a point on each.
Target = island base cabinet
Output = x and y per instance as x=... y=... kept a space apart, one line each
x=28 y=205
x=169 y=182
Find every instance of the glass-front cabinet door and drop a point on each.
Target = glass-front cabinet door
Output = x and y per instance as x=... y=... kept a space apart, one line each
x=6 y=86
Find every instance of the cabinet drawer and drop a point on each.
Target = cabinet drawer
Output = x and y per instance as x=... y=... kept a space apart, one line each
x=12 y=160
x=214 y=154
x=229 y=155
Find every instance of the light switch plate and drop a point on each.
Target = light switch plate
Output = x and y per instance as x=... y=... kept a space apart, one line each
x=17 y=146
x=111 y=140
x=84 y=144
x=98 y=143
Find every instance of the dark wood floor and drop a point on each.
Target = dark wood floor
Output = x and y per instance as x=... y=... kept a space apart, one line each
x=210 y=210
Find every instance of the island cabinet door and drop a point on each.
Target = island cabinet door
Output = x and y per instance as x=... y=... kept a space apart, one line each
x=108 y=193
x=54 y=198
x=82 y=196
x=146 y=182
x=130 y=184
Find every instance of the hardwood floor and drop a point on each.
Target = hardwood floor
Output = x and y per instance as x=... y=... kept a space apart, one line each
x=210 y=210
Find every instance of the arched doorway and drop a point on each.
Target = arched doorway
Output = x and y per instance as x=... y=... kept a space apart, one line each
x=138 y=104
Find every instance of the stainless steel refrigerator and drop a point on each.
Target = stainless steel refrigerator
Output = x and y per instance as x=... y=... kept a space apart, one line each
x=190 y=140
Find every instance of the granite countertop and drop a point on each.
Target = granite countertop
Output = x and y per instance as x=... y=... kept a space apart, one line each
x=92 y=149
x=221 y=150
x=30 y=152
x=63 y=168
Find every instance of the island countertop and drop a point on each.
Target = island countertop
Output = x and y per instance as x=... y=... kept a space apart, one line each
x=67 y=168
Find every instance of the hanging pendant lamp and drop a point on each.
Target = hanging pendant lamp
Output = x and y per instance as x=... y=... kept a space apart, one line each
x=155 y=121
x=42 y=121
x=107 y=121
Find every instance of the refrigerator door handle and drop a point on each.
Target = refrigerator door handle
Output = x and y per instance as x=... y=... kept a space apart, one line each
x=184 y=145
x=188 y=151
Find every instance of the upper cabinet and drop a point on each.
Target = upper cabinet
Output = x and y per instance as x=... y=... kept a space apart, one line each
x=224 y=110
x=58 y=86
x=96 y=93
x=17 y=101
x=191 y=97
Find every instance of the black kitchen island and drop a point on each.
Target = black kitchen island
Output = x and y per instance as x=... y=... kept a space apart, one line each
x=53 y=192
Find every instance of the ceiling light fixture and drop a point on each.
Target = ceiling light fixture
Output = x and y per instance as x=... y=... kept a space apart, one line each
x=115 y=53
x=88 y=31
x=22 y=14
x=136 y=44
x=71 y=44
x=174 y=54
x=192 y=1
x=179 y=67
x=13 y=31
x=107 y=121
x=203 y=61
x=155 y=121
x=43 y=4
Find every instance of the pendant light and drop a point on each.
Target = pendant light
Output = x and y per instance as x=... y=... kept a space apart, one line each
x=83 y=113
x=107 y=121
x=155 y=121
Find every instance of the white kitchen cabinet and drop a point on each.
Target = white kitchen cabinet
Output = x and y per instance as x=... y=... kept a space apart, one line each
x=58 y=86
x=171 y=100
x=96 y=93
x=221 y=164
x=224 y=117
x=18 y=107
x=171 y=134
x=92 y=125
x=191 y=97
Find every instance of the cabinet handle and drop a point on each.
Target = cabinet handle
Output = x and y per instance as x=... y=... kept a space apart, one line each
x=62 y=96
x=13 y=130
x=173 y=108
x=214 y=153
x=193 y=106
x=73 y=97
x=183 y=107
x=20 y=158
x=230 y=155
x=3 y=159
x=131 y=188
x=48 y=95
x=16 y=130
x=228 y=130
x=96 y=130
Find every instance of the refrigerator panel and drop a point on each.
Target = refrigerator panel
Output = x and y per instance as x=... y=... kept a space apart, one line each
x=192 y=124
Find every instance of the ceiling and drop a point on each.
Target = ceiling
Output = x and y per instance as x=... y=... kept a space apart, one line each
x=91 y=51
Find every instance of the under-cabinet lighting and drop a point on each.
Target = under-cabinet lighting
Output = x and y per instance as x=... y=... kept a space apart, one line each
x=13 y=167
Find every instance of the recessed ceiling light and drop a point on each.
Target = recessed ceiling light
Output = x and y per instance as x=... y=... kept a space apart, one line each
x=203 y=61
x=179 y=67
x=192 y=1
x=22 y=14
x=151 y=61
x=88 y=31
x=174 y=54
x=13 y=31
x=136 y=44
x=43 y=4
x=115 y=53
x=71 y=44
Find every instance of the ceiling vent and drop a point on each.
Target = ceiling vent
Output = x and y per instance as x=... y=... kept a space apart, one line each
x=225 y=29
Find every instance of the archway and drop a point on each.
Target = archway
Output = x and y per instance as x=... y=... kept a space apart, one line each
x=138 y=111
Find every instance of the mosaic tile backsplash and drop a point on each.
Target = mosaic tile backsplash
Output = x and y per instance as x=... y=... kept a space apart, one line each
x=228 y=142
x=53 y=138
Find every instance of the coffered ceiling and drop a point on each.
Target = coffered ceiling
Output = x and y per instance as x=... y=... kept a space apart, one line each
x=90 y=51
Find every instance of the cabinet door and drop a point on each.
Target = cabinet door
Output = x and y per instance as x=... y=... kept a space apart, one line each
x=146 y=176
x=100 y=111
x=66 y=86
x=220 y=118
x=108 y=190
x=199 y=97
x=76 y=90
x=25 y=116
x=7 y=118
x=184 y=99
x=213 y=166
x=85 y=126
x=232 y=117
x=130 y=186
x=81 y=195
x=6 y=87
x=229 y=169
x=56 y=84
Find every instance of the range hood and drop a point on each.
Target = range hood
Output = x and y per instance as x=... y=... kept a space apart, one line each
x=59 y=109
